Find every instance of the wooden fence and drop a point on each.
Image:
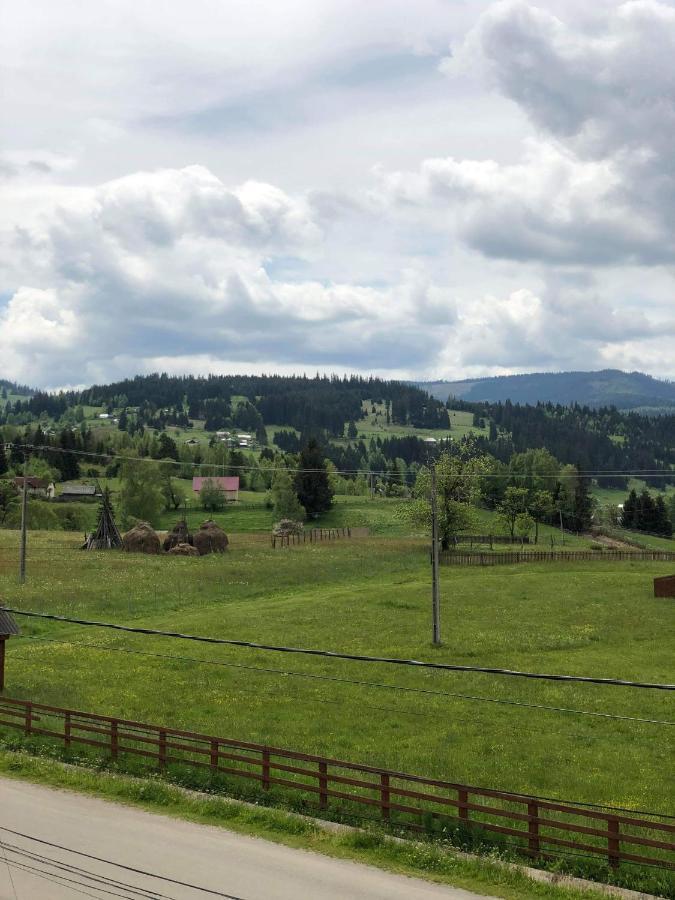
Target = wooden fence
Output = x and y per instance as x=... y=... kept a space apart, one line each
x=489 y=539
x=510 y=557
x=311 y=536
x=535 y=826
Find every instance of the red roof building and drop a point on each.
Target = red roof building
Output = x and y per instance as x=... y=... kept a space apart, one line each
x=228 y=484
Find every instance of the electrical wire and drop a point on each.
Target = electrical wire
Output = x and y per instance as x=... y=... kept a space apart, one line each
x=147 y=893
x=109 y=456
x=118 y=865
x=351 y=681
x=352 y=657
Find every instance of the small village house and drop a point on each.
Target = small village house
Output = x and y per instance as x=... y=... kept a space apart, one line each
x=228 y=484
x=36 y=487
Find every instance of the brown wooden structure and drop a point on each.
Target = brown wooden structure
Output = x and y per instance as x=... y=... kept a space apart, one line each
x=509 y=557
x=664 y=586
x=8 y=628
x=536 y=827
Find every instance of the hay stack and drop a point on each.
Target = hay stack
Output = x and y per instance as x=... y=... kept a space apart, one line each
x=210 y=538
x=183 y=550
x=179 y=534
x=141 y=539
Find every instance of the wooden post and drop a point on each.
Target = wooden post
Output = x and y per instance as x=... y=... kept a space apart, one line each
x=463 y=799
x=384 y=796
x=214 y=754
x=533 y=828
x=613 y=846
x=162 y=749
x=3 y=638
x=323 y=785
x=266 y=770
x=114 y=740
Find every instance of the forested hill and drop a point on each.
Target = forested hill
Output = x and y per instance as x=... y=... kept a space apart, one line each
x=321 y=402
x=609 y=387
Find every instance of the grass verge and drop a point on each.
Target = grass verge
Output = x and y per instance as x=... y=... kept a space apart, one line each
x=416 y=859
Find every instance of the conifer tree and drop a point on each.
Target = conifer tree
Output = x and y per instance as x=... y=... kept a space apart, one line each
x=311 y=482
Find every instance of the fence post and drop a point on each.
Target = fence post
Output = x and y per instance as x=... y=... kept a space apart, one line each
x=463 y=799
x=114 y=740
x=533 y=828
x=323 y=785
x=29 y=718
x=266 y=770
x=66 y=731
x=613 y=847
x=213 y=759
x=384 y=795
x=162 y=749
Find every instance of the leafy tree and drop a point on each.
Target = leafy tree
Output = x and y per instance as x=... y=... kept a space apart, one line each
x=540 y=507
x=141 y=496
x=166 y=448
x=458 y=481
x=3 y=459
x=523 y=525
x=9 y=500
x=173 y=491
x=123 y=421
x=311 y=482
x=512 y=506
x=212 y=496
x=284 y=499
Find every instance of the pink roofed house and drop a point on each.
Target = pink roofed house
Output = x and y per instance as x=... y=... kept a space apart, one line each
x=228 y=484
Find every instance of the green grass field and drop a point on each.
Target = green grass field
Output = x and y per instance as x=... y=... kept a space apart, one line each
x=372 y=596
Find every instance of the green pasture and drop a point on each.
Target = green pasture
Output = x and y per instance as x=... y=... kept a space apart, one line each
x=368 y=596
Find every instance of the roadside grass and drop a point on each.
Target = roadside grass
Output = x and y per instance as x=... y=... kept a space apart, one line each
x=416 y=859
x=364 y=596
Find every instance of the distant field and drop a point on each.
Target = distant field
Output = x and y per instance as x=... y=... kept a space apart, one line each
x=371 y=596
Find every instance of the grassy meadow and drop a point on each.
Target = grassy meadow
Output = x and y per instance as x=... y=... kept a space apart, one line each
x=369 y=595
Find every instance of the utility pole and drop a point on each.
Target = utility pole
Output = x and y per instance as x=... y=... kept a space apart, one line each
x=24 y=517
x=435 y=597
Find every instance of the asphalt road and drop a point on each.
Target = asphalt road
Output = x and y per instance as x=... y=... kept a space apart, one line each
x=218 y=862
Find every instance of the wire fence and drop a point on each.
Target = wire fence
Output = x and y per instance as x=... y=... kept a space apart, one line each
x=536 y=827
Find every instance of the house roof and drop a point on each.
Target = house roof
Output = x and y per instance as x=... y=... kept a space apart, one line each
x=81 y=490
x=7 y=624
x=33 y=481
x=225 y=482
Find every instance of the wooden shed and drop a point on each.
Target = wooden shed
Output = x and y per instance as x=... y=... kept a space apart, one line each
x=664 y=586
x=8 y=628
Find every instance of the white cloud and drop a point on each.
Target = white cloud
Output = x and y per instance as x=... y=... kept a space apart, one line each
x=520 y=215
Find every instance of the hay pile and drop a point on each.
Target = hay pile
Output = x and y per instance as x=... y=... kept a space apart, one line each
x=179 y=534
x=210 y=538
x=183 y=550
x=141 y=539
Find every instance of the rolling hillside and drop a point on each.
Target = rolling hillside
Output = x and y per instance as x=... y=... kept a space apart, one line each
x=609 y=387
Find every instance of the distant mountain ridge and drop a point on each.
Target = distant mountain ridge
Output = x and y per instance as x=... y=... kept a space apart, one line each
x=608 y=387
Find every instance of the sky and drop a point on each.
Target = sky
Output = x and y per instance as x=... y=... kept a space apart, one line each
x=438 y=189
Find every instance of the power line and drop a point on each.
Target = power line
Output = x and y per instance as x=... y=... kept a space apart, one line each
x=354 y=657
x=112 y=455
x=118 y=865
x=351 y=681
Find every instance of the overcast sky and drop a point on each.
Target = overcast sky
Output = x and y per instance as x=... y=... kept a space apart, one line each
x=437 y=188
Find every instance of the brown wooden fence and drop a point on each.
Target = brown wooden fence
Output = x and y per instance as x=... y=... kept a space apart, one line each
x=316 y=535
x=510 y=557
x=535 y=826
